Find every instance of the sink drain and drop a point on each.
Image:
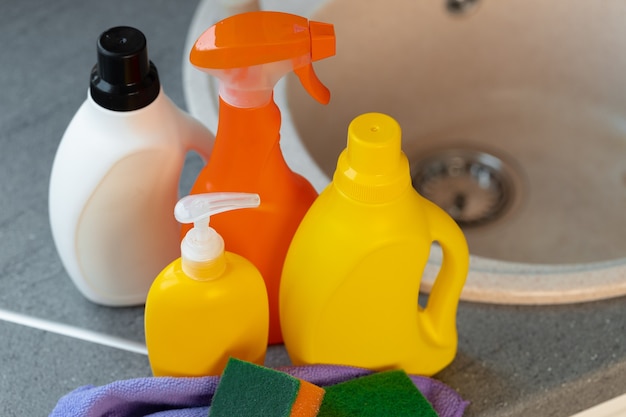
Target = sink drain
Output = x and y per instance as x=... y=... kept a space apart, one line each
x=473 y=187
x=460 y=6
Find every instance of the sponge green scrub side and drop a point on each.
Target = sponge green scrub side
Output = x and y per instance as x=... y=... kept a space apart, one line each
x=383 y=394
x=250 y=390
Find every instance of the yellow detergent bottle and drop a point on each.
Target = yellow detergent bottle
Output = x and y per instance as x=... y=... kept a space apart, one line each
x=209 y=304
x=350 y=283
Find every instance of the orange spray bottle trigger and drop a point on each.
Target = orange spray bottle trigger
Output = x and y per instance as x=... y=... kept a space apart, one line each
x=312 y=84
x=250 y=52
x=322 y=37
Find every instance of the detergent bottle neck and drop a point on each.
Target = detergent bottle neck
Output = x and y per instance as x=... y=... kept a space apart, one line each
x=247 y=140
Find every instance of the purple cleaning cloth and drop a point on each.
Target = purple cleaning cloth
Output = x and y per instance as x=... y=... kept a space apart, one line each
x=191 y=397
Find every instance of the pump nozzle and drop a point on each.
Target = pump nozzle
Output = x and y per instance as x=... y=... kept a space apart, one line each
x=203 y=248
x=250 y=52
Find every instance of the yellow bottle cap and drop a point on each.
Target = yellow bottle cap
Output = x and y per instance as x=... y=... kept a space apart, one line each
x=373 y=167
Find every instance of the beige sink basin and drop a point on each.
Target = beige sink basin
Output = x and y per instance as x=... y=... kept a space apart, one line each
x=513 y=116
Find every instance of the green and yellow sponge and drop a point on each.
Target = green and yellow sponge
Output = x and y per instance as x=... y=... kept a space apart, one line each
x=384 y=394
x=250 y=390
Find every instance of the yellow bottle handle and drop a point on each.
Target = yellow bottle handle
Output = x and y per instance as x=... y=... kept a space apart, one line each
x=439 y=316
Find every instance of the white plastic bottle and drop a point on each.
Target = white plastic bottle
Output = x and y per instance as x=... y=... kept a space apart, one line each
x=115 y=176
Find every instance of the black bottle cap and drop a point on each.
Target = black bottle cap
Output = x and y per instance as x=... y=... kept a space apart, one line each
x=123 y=79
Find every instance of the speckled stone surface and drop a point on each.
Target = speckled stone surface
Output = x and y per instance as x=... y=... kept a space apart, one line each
x=39 y=367
x=512 y=361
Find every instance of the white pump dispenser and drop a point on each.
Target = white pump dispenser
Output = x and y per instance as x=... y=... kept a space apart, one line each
x=202 y=249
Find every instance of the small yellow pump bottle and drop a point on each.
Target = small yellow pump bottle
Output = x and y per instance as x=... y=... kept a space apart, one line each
x=350 y=283
x=207 y=305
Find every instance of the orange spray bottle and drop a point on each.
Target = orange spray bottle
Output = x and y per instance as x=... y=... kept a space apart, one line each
x=249 y=53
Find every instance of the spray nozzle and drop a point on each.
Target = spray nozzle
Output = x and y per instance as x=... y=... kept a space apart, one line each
x=250 y=52
x=203 y=247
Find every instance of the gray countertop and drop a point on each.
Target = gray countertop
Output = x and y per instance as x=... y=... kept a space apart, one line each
x=512 y=360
